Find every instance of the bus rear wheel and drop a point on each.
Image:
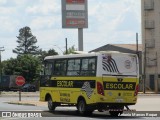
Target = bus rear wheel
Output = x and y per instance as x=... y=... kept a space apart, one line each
x=51 y=104
x=83 y=109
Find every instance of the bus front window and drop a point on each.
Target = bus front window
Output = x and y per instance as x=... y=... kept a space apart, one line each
x=48 y=69
x=45 y=78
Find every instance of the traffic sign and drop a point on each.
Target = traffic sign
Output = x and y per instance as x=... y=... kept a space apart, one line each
x=20 y=80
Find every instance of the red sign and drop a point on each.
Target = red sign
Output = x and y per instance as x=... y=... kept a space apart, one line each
x=20 y=80
x=75 y=22
x=75 y=1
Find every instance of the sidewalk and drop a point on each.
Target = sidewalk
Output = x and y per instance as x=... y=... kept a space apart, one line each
x=148 y=93
x=24 y=102
x=39 y=103
x=23 y=94
x=36 y=94
x=28 y=103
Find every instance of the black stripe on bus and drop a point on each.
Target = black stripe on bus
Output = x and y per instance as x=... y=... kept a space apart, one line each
x=119 y=75
x=106 y=67
x=114 y=65
x=68 y=83
x=111 y=66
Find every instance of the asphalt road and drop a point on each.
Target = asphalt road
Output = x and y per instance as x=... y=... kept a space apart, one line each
x=145 y=103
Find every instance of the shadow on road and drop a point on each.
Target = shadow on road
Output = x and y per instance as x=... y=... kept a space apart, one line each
x=98 y=115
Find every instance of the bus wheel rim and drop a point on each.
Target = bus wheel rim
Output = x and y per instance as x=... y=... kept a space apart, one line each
x=50 y=103
x=81 y=107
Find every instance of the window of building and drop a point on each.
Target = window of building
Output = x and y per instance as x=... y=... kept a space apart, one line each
x=158 y=75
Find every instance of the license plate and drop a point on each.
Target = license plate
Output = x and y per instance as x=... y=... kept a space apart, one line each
x=119 y=100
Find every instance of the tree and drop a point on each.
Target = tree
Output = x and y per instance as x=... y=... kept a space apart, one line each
x=9 y=66
x=28 y=66
x=26 y=42
x=70 y=50
x=50 y=52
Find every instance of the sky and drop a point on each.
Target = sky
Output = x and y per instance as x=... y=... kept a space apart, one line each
x=109 y=22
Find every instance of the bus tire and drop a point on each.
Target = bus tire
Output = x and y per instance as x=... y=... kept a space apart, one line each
x=83 y=109
x=51 y=104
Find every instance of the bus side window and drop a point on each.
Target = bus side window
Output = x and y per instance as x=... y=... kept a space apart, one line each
x=92 y=65
x=73 y=68
x=60 y=68
x=88 y=67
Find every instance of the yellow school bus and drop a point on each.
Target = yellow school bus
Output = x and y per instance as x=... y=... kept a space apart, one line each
x=92 y=81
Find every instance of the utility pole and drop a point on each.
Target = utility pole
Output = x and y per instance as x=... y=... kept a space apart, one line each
x=156 y=72
x=80 y=39
x=66 y=46
x=1 y=49
x=144 y=76
x=137 y=44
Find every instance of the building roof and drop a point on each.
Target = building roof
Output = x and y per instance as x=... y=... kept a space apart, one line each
x=131 y=48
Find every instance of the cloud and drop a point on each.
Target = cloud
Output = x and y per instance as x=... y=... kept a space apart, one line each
x=48 y=38
x=44 y=7
x=7 y=11
x=109 y=22
x=3 y=2
x=9 y=44
x=105 y=19
x=20 y=2
x=43 y=22
x=7 y=25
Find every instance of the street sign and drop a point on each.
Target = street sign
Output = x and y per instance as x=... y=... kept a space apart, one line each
x=74 y=14
x=20 y=80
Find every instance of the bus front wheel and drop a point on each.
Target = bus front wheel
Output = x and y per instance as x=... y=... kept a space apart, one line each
x=51 y=104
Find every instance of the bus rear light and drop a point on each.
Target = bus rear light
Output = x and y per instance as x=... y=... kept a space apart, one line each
x=100 y=89
x=136 y=90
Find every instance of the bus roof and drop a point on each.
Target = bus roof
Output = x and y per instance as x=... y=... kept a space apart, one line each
x=84 y=55
x=69 y=56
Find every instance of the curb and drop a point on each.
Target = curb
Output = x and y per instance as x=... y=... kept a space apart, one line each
x=23 y=94
x=28 y=103
x=148 y=94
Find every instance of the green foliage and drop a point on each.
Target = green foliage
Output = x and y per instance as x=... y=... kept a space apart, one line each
x=70 y=50
x=26 y=42
x=9 y=66
x=28 y=66
x=47 y=53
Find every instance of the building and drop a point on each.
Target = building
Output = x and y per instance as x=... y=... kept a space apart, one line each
x=151 y=43
x=125 y=48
